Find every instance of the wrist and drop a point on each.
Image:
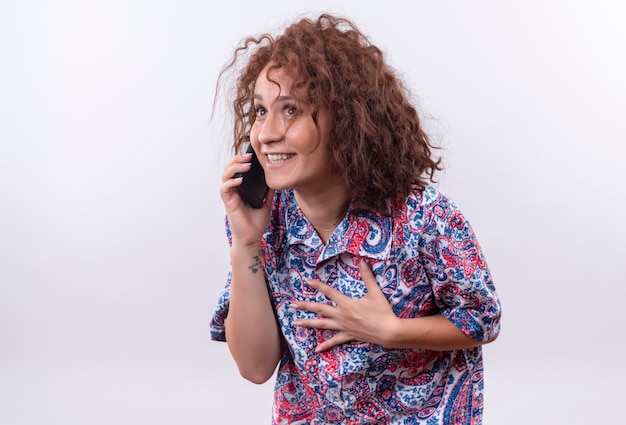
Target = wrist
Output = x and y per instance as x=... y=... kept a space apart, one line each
x=247 y=238
x=394 y=333
x=243 y=245
x=246 y=261
x=244 y=250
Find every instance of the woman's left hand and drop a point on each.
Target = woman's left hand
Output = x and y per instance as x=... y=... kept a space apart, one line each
x=369 y=318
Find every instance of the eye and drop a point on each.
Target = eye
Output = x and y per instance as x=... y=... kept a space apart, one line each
x=259 y=111
x=291 y=109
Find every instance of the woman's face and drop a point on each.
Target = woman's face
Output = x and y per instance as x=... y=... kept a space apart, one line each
x=291 y=149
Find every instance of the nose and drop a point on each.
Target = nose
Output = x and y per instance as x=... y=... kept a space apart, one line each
x=272 y=129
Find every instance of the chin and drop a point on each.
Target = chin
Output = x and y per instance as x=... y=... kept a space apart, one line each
x=277 y=185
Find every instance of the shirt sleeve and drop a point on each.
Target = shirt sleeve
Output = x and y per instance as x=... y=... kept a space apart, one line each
x=218 y=321
x=456 y=267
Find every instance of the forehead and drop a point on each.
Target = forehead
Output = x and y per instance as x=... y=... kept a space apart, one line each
x=273 y=79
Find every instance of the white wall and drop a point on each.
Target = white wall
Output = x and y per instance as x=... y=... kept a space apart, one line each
x=112 y=251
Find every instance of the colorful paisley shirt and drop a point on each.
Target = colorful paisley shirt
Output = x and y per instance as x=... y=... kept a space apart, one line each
x=427 y=261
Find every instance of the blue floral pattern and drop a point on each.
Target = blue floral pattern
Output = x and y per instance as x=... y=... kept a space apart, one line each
x=427 y=261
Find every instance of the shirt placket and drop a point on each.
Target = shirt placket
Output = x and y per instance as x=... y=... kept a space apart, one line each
x=329 y=362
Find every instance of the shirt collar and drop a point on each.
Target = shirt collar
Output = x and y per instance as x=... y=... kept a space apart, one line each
x=366 y=235
x=299 y=229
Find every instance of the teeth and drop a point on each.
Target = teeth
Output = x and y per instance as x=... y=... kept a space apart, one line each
x=278 y=157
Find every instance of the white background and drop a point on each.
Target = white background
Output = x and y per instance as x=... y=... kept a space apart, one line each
x=112 y=250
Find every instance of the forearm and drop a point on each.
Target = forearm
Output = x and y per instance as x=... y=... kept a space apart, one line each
x=252 y=332
x=431 y=333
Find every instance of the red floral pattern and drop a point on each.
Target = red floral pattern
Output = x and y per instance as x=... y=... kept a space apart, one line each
x=427 y=261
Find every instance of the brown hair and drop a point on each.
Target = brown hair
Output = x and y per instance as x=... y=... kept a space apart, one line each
x=376 y=139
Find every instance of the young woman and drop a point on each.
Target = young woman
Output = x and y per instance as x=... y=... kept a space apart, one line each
x=357 y=278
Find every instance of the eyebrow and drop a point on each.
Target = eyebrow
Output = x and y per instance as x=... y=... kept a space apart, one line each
x=279 y=98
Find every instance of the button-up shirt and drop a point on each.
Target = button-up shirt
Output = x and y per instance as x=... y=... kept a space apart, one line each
x=427 y=261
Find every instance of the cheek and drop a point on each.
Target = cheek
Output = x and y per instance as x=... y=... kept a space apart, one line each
x=303 y=139
x=254 y=133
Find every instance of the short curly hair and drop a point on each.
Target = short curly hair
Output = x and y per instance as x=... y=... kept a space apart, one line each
x=376 y=138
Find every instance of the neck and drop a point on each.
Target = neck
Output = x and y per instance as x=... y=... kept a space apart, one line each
x=324 y=210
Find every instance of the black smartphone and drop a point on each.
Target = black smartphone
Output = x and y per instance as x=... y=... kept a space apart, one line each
x=253 y=188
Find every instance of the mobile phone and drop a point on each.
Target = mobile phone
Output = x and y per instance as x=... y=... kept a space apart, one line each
x=253 y=187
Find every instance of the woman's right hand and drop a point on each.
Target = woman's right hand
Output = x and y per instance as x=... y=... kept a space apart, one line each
x=247 y=224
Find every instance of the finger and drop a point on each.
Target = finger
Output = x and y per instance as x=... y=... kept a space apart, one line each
x=230 y=184
x=233 y=168
x=369 y=279
x=339 y=338
x=330 y=292
x=227 y=189
x=269 y=197
x=238 y=163
x=313 y=307
x=320 y=323
x=366 y=271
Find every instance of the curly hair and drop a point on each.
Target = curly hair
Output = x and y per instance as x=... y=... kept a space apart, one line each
x=376 y=139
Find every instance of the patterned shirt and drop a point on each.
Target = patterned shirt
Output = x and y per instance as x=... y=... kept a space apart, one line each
x=427 y=261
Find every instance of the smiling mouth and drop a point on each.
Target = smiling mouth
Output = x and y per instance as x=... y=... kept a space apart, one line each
x=280 y=157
